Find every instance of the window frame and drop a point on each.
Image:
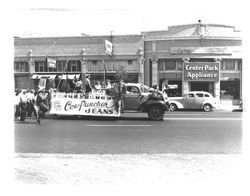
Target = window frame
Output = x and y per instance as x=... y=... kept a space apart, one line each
x=21 y=67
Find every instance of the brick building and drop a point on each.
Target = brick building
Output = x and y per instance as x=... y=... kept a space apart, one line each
x=84 y=54
x=182 y=58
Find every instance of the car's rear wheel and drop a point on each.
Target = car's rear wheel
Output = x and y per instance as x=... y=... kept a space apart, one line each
x=173 y=107
x=156 y=112
x=207 y=107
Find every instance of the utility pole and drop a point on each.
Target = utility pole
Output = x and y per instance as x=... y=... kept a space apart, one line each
x=83 y=69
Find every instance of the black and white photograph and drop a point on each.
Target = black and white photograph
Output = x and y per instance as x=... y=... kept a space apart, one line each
x=127 y=97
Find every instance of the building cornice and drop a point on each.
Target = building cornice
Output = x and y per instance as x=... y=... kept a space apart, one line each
x=192 y=38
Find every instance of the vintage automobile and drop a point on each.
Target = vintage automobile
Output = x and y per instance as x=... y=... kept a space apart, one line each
x=193 y=100
x=141 y=98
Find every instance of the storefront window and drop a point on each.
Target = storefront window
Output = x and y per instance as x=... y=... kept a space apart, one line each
x=161 y=65
x=72 y=66
x=229 y=64
x=179 y=65
x=21 y=67
x=239 y=64
x=60 y=66
x=164 y=64
x=16 y=67
x=170 y=64
x=52 y=69
x=230 y=89
x=39 y=67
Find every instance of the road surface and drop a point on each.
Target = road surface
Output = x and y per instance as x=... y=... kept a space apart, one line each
x=179 y=132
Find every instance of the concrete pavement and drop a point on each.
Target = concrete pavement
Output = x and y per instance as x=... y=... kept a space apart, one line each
x=113 y=169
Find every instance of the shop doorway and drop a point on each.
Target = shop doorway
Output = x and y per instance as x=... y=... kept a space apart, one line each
x=200 y=86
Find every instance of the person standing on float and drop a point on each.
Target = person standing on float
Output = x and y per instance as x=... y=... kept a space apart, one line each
x=41 y=96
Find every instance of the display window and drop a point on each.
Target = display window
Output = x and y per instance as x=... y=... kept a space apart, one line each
x=230 y=89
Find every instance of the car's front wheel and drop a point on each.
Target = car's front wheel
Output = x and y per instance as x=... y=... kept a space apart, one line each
x=156 y=112
x=207 y=107
x=173 y=107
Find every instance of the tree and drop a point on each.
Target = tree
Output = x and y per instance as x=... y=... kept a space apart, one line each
x=121 y=74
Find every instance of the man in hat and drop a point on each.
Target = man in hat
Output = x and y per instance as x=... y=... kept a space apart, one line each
x=78 y=84
x=22 y=103
x=30 y=102
x=41 y=96
x=87 y=84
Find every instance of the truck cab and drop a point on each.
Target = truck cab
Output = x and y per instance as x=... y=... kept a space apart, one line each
x=141 y=98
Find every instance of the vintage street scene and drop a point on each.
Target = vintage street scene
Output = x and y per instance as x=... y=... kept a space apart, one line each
x=157 y=105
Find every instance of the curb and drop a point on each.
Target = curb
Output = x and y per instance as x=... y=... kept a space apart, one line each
x=228 y=109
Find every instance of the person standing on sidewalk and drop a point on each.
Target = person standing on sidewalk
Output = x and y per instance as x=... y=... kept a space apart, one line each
x=23 y=104
x=16 y=104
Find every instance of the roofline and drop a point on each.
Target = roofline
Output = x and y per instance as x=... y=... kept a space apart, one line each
x=88 y=36
x=208 y=24
x=193 y=24
x=191 y=38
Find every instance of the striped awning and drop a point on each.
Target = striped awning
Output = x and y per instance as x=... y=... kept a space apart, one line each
x=70 y=76
x=38 y=76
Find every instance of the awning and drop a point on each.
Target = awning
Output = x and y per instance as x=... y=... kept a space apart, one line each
x=34 y=76
x=39 y=76
x=70 y=76
x=43 y=76
x=52 y=77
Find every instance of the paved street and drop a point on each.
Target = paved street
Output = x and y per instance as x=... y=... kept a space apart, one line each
x=186 y=147
x=180 y=132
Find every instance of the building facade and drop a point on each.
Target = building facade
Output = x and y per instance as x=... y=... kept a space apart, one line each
x=198 y=56
x=182 y=58
x=86 y=54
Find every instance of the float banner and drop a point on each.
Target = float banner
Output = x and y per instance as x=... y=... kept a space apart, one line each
x=87 y=107
x=203 y=71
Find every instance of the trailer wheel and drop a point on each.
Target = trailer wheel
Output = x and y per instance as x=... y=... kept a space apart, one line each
x=155 y=112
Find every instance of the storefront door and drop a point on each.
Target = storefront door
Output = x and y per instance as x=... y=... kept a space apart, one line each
x=199 y=86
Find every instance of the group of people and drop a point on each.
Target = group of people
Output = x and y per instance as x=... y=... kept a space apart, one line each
x=31 y=103
x=76 y=85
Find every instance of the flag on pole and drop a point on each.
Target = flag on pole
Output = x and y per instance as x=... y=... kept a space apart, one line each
x=108 y=47
x=51 y=62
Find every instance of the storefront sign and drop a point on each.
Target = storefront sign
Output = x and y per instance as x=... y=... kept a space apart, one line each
x=42 y=83
x=201 y=71
x=88 y=107
x=172 y=86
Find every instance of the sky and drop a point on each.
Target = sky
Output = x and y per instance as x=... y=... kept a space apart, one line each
x=93 y=17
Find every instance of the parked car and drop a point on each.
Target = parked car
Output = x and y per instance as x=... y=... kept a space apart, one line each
x=141 y=98
x=194 y=100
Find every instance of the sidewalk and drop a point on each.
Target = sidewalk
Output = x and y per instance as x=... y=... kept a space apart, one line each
x=117 y=169
x=228 y=108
